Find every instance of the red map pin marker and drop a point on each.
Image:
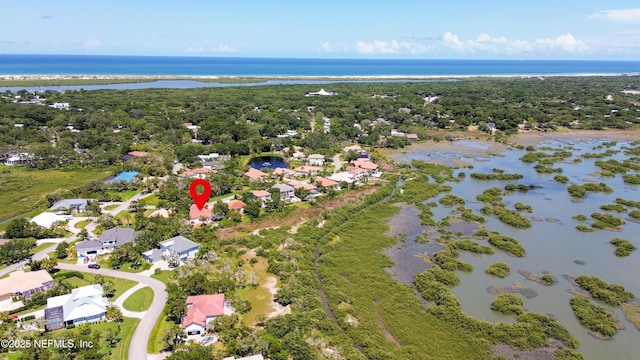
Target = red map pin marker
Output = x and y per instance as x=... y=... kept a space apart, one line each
x=200 y=199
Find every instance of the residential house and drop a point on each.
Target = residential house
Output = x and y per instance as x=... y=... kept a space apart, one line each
x=200 y=216
x=307 y=170
x=313 y=190
x=201 y=310
x=108 y=241
x=18 y=159
x=25 y=284
x=286 y=192
x=370 y=167
x=289 y=133
x=49 y=219
x=356 y=172
x=327 y=183
x=181 y=246
x=255 y=174
x=152 y=255
x=64 y=106
x=73 y=205
x=284 y=172
x=84 y=304
x=199 y=173
x=237 y=205
x=342 y=176
x=412 y=137
x=395 y=132
x=354 y=148
x=315 y=160
x=261 y=195
x=492 y=127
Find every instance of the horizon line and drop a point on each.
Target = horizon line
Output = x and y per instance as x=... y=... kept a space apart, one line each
x=226 y=56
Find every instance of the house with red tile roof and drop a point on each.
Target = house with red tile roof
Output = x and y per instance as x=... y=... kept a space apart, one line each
x=327 y=183
x=284 y=172
x=201 y=310
x=199 y=173
x=358 y=173
x=198 y=216
x=237 y=205
x=255 y=174
x=367 y=165
x=138 y=153
x=261 y=195
x=307 y=170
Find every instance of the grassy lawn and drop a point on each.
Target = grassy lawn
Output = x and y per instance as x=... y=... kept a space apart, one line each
x=126 y=216
x=164 y=276
x=41 y=247
x=127 y=328
x=103 y=261
x=111 y=207
x=139 y=300
x=156 y=344
x=124 y=195
x=151 y=200
x=67 y=260
x=24 y=190
x=82 y=224
x=120 y=285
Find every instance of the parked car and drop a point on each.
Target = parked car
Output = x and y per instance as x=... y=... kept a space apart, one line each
x=94 y=266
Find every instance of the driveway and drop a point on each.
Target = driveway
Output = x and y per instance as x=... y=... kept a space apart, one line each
x=140 y=339
x=337 y=164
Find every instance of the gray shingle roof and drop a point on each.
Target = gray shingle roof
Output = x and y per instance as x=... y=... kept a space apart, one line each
x=180 y=244
x=120 y=235
x=70 y=203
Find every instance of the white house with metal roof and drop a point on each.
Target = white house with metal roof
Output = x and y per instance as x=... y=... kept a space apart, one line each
x=84 y=304
x=181 y=246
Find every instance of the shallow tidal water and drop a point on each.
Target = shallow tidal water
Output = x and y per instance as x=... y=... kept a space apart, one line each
x=552 y=243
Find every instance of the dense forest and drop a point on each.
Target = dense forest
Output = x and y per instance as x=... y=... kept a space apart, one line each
x=101 y=126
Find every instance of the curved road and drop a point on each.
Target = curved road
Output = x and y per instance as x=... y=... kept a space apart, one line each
x=140 y=338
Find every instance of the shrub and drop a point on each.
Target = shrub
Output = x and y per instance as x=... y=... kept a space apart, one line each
x=498 y=269
x=612 y=294
x=547 y=279
x=593 y=317
x=507 y=304
x=508 y=244
x=623 y=247
x=561 y=179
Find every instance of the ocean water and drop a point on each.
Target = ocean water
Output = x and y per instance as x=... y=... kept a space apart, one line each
x=235 y=66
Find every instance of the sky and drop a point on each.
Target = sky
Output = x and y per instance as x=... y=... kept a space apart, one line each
x=496 y=29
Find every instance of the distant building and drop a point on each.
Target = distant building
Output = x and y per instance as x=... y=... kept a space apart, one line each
x=261 y=195
x=412 y=137
x=18 y=159
x=315 y=160
x=322 y=92
x=286 y=191
x=289 y=133
x=237 y=205
x=64 y=106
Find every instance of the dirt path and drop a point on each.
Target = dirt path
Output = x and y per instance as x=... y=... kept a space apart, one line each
x=387 y=334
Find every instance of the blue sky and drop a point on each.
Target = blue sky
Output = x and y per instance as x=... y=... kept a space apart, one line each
x=513 y=29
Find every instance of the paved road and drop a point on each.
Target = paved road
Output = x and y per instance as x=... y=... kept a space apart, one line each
x=337 y=163
x=140 y=339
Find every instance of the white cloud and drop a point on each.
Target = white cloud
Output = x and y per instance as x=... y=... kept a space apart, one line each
x=326 y=47
x=220 y=48
x=389 y=47
x=91 y=44
x=622 y=15
x=501 y=45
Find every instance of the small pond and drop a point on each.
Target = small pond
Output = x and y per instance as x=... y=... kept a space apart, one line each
x=270 y=162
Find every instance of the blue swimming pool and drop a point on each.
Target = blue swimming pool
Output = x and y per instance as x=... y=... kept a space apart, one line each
x=125 y=176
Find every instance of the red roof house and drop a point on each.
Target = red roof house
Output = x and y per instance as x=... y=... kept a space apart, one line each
x=195 y=214
x=255 y=174
x=201 y=310
x=236 y=205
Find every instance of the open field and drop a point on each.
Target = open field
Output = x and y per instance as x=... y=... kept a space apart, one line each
x=24 y=190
